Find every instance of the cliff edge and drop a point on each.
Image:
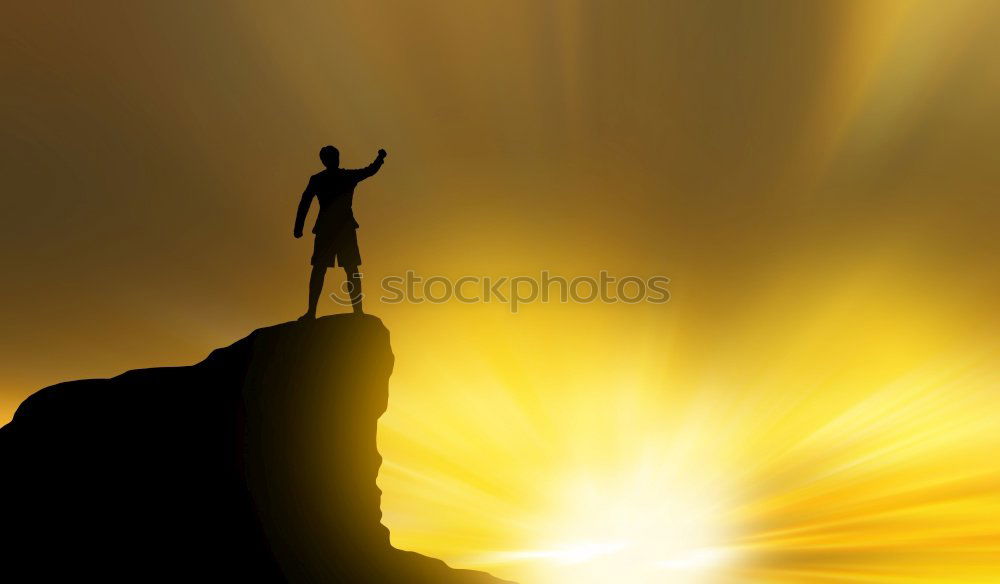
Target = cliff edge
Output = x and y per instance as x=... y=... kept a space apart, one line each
x=256 y=465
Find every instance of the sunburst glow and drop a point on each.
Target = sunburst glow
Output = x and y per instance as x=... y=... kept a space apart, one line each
x=794 y=470
x=817 y=403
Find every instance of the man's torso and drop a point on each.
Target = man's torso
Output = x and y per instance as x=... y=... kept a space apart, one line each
x=335 y=192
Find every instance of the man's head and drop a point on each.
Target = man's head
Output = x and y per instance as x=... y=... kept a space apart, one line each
x=330 y=156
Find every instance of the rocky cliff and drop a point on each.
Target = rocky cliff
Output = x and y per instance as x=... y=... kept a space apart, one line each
x=256 y=465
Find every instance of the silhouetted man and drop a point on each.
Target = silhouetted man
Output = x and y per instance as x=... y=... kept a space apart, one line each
x=336 y=238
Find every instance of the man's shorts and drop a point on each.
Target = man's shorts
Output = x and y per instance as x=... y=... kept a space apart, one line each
x=339 y=248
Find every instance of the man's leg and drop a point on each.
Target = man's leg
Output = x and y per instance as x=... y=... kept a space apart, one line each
x=354 y=287
x=315 y=289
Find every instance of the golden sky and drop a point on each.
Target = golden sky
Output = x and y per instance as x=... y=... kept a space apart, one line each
x=816 y=403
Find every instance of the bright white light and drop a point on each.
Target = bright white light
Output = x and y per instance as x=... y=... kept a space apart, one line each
x=644 y=527
x=694 y=560
x=570 y=554
x=585 y=552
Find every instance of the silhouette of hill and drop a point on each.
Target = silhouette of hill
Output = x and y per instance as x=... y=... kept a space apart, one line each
x=256 y=465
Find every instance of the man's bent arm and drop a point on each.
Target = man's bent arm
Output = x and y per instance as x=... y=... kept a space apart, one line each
x=363 y=173
x=300 y=215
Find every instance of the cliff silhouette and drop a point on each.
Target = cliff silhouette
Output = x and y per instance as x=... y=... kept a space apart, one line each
x=257 y=464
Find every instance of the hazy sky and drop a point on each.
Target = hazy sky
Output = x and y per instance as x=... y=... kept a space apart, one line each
x=812 y=176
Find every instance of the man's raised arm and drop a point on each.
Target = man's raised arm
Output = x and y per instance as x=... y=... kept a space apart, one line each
x=363 y=173
x=300 y=215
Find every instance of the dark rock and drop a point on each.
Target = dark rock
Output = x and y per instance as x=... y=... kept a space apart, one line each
x=256 y=465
